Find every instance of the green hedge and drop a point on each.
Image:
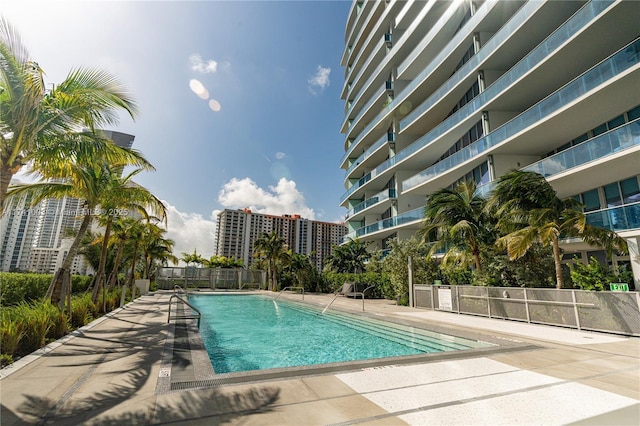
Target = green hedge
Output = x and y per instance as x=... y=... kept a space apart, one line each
x=381 y=281
x=18 y=287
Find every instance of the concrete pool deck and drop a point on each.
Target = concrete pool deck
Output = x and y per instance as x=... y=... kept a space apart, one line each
x=111 y=372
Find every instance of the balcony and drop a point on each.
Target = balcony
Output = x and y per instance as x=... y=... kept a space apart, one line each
x=602 y=146
x=621 y=218
x=389 y=224
x=388 y=138
x=528 y=63
x=618 y=63
x=376 y=200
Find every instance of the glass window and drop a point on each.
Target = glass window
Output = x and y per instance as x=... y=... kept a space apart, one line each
x=599 y=130
x=612 y=195
x=591 y=200
x=579 y=139
x=634 y=113
x=630 y=190
x=616 y=122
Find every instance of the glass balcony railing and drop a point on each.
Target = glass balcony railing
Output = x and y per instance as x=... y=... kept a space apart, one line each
x=619 y=218
x=402 y=219
x=378 y=93
x=599 y=147
x=388 y=137
x=378 y=198
x=555 y=40
x=609 y=68
x=488 y=49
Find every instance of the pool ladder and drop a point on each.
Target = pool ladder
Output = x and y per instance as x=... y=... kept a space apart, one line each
x=355 y=295
x=196 y=316
x=289 y=288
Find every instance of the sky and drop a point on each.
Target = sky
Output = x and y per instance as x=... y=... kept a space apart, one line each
x=239 y=100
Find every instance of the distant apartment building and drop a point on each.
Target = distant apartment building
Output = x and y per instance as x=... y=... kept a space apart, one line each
x=36 y=238
x=238 y=230
x=437 y=92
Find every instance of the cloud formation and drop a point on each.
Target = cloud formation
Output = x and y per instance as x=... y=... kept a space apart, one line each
x=199 y=65
x=284 y=198
x=280 y=155
x=189 y=231
x=320 y=80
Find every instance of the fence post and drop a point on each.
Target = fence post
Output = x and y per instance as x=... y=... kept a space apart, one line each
x=526 y=306
x=410 y=267
x=575 y=308
x=488 y=302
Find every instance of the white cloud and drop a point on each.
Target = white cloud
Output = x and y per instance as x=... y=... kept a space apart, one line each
x=280 y=155
x=320 y=80
x=206 y=67
x=284 y=198
x=189 y=231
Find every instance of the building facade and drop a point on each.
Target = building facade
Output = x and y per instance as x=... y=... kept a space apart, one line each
x=238 y=230
x=437 y=92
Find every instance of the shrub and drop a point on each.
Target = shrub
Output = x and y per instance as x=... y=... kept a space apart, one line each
x=37 y=322
x=27 y=287
x=11 y=333
x=82 y=309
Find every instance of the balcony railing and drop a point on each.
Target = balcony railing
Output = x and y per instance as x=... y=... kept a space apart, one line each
x=378 y=198
x=555 y=40
x=392 y=222
x=599 y=147
x=617 y=219
x=624 y=59
x=387 y=138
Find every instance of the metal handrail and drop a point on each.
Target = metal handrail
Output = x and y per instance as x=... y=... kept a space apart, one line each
x=290 y=288
x=354 y=293
x=184 y=316
x=177 y=287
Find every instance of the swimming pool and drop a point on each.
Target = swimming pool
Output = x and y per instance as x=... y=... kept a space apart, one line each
x=250 y=332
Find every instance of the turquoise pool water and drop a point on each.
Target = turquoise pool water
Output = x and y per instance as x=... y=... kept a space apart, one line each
x=249 y=332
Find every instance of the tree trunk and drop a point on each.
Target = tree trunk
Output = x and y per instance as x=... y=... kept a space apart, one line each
x=6 y=174
x=133 y=270
x=55 y=290
x=100 y=274
x=557 y=258
x=116 y=265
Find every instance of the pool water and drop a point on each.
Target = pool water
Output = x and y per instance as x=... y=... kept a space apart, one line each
x=249 y=332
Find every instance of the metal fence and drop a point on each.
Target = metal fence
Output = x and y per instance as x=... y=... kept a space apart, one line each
x=237 y=279
x=612 y=312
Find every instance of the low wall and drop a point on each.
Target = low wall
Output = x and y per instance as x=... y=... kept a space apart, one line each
x=611 y=312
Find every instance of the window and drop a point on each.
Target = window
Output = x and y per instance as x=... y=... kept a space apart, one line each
x=591 y=200
x=612 y=195
x=616 y=122
x=630 y=190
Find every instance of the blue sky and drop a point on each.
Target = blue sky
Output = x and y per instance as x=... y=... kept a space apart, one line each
x=240 y=100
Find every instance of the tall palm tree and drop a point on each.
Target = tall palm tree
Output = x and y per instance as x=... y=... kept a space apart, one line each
x=33 y=118
x=157 y=249
x=300 y=265
x=530 y=211
x=458 y=220
x=89 y=177
x=349 y=257
x=121 y=196
x=273 y=248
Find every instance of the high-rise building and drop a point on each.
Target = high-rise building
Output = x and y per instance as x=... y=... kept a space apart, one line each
x=437 y=92
x=33 y=236
x=238 y=230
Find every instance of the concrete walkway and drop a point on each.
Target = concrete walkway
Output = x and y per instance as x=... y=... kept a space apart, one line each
x=111 y=371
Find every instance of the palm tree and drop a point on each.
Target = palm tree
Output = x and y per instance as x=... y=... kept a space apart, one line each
x=121 y=228
x=300 y=265
x=530 y=211
x=349 y=257
x=88 y=176
x=122 y=196
x=273 y=249
x=194 y=257
x=34 y=120
x=458 y=220
x=157 y=249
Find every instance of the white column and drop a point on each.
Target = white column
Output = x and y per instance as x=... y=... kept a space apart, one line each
x=634 y=255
